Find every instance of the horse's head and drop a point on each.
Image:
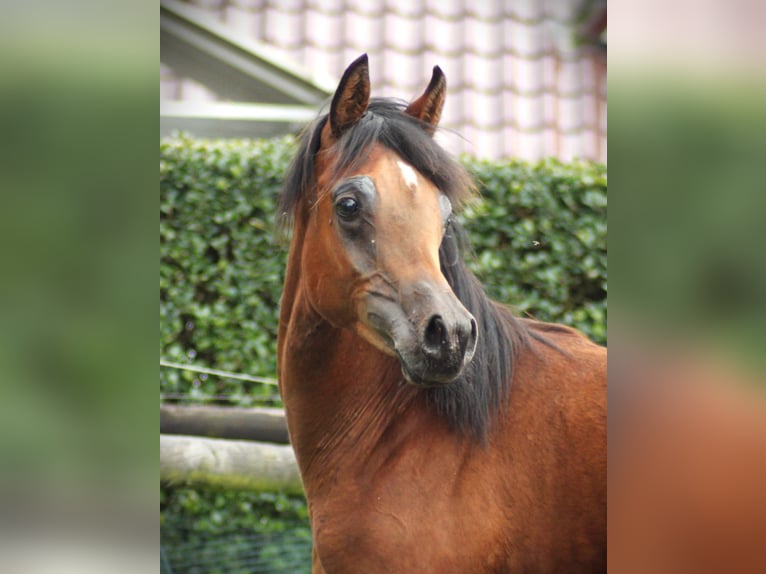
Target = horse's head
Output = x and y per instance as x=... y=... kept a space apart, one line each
x=374 y=226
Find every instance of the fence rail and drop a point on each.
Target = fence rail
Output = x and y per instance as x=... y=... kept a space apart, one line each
x=232 y=464
x=258 y=424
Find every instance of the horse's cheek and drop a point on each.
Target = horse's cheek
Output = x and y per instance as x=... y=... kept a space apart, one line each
x=330 y=300
x=329 y=296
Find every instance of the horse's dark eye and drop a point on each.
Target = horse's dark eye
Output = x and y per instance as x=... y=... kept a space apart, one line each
x=347 y=207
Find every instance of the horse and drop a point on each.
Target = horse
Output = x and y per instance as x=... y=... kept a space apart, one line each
x=434 y=431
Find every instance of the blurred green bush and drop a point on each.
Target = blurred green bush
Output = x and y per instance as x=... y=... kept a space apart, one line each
x=220 y=269
x=214 y=531
x=538 y=235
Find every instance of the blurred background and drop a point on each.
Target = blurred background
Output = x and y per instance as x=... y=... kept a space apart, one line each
x=687 y=396
x=78 y=360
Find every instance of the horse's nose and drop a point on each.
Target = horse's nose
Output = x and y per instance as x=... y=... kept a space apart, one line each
x=445 y=340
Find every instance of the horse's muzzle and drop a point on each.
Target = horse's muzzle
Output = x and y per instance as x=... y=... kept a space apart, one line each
x=430 y=332
x=447 y=345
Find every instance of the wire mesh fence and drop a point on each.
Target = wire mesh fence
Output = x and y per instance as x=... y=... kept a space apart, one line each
x=236 y=552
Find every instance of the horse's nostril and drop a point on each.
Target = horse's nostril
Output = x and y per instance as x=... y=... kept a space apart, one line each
x=435 y=336
x=466 y=337
x=472 y=337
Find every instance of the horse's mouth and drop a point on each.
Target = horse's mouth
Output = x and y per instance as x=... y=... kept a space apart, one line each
x=434 y=380
x=417 y=381
x=380 y=326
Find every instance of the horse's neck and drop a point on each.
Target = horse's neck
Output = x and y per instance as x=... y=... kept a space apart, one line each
x=290 y=289
x=341 y=394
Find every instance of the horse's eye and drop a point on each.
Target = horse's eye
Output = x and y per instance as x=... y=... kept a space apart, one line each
x=347 y=207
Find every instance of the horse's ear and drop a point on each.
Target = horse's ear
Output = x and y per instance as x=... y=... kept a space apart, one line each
x=351 y=98
x=428 y=107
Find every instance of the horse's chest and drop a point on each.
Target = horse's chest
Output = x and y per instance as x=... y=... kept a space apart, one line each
x=375 y=548
x=423 y=536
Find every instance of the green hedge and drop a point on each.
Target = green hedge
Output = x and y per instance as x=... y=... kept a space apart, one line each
x=538 y=235
x=220 y=269
x=210 y=531
x=539 y=240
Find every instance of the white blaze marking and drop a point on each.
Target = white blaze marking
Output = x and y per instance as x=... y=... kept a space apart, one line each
x=409 y=175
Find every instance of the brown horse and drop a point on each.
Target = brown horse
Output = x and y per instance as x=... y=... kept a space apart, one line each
x=434 y=431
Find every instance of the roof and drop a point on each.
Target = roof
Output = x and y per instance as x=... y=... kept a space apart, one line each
x=521 y=83
x=233 y=68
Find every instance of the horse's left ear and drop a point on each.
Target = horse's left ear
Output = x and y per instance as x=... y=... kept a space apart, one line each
x=428 y=107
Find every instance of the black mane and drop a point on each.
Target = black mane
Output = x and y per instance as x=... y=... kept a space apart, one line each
x=468 y=403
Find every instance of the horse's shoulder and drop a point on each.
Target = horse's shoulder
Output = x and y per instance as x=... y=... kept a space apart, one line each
x=570 y=344
x=566 y=362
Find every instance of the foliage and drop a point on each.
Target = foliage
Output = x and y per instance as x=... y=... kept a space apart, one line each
x=539 y=237
x=538 y=234
x=209 y=531
x=220 y=270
